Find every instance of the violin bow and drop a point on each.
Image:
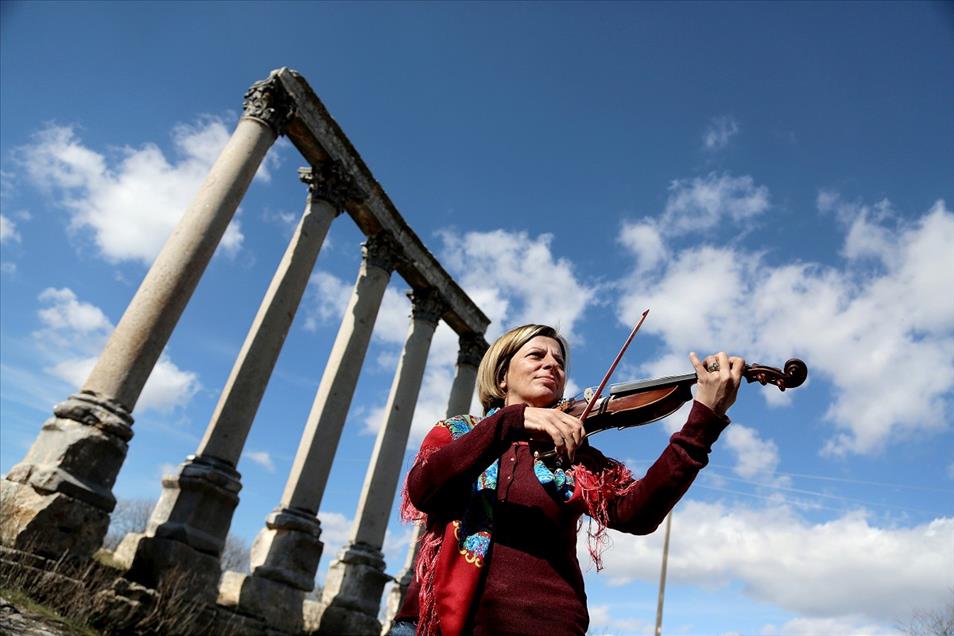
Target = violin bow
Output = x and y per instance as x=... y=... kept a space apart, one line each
x=599 y=389
x=596 y=394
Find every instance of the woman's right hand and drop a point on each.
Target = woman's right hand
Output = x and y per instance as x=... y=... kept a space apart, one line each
x=565 y=431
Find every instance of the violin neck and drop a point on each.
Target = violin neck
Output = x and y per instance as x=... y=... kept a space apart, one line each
x=641 y=385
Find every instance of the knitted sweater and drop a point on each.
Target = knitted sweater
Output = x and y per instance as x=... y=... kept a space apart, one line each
x=533 y=583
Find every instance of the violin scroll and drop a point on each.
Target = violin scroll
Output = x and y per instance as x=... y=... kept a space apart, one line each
x=794 y=374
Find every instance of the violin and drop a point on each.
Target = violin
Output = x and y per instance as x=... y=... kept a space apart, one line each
x=644 y=401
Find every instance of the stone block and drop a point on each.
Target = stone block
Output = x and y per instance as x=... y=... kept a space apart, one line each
x=278 y=604
x=288 y=549
x=49 y=524
x=352 y=593
x=311 y=615
x=79 y=450
x=157 y=562
x=196 y=506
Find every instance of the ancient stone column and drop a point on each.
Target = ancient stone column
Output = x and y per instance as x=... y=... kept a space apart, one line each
x=286 y=552
x=352 y=594
x=62 y=490
x=190 y=523
x=472 y=348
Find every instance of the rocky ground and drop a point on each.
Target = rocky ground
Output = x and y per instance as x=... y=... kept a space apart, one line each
x=16 y=620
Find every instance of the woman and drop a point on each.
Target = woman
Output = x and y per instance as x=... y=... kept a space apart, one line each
x=499 y=552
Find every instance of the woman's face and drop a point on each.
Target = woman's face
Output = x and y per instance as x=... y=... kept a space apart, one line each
x=536 y=374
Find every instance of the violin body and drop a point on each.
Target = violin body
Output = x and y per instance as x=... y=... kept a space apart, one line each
x=645 y=401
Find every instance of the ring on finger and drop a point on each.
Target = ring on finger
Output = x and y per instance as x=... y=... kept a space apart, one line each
x=713 y=366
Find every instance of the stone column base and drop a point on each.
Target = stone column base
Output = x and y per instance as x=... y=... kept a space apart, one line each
x=288 y=549
x=49 y=524
x=280 y=605
x=196 y=506
x=58 y=499
x=352 y=595
x=156 y=562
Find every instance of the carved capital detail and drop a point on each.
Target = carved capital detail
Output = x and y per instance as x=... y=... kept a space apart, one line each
x=427 y=305
x=268 y=102
x=332 y=182
x=472 y=349
x=382 y=251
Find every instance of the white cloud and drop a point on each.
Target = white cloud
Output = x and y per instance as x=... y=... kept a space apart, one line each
x=701 y=203
x=262 y=458
x=645 y=241
x=73 y=333
x=840 y=626
x=718 y=133
x=129 y=207
x=8 y=230
x=603 y=621
x=325 y=300
x=843 y=568
x=755 y=457
x=66 y=312
x=516 y=279
x=853 y=325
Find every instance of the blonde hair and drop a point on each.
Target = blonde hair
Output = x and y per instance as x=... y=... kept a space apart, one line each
x=493 y=366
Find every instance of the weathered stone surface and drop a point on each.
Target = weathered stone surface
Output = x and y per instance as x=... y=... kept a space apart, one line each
x=288 y=549
x=352 y=593
x=154 y=561
x=49 y=524
x=14 y=620
x=311 y=615
x=196 y=506
x=79 y=451
x=277 y=604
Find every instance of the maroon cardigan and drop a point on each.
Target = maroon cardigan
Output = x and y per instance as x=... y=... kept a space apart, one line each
x=533 y=583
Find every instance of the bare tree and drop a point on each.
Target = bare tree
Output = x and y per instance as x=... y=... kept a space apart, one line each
x=132 y=515
x=936 y=622
x=235 y=555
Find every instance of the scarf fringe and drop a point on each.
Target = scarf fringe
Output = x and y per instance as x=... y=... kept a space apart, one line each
x=598 y=489
x=424 y=566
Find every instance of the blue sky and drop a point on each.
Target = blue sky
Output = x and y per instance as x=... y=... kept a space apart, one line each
x=770 y=179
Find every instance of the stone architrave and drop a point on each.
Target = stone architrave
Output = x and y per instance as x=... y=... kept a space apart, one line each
x=60 y=495
x=356 y=579
x=472 y=348
x=196 y=506
x=285 y=554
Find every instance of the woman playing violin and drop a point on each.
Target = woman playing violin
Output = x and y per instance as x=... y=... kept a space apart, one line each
x=498 y=555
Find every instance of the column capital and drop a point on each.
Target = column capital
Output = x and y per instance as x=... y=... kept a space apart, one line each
x=427 y=305
x=332 y=182
x=268 y=102
x=472 y=349
x=382 y=250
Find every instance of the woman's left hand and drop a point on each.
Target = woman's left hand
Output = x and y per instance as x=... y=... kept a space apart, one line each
x=719 y=380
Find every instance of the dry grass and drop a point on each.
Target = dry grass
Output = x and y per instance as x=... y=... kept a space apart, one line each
x=94 y=599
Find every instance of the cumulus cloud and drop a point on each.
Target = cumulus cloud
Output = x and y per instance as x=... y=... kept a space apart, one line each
x=852 y=324
x=73 y=333
x=325 y=299
x=129 y=205
x=718 y=133
x=8 y=230
x=700 y=203
x=842 y=568
x=515 y=278
x=755 y=457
